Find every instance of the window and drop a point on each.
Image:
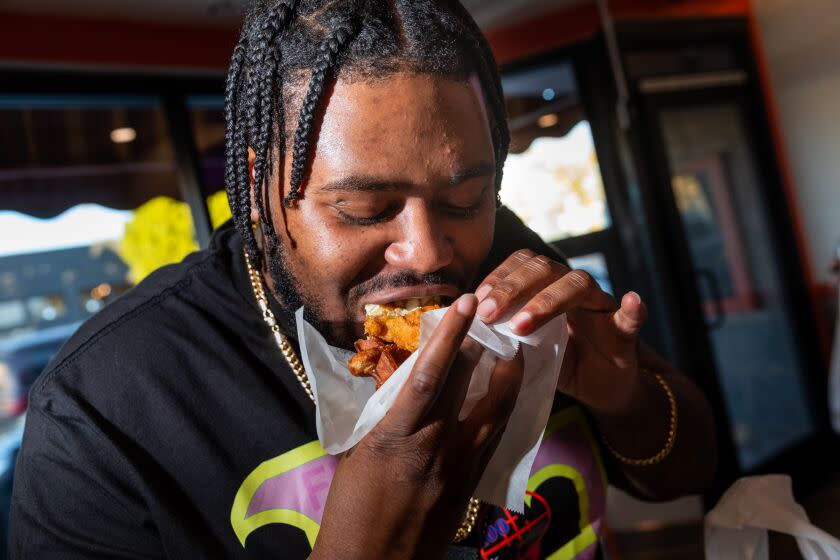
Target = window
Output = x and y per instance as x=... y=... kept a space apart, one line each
x=12 y=314
x=552 y=179
x=91 y=204
x=209 y=132
x=596 y=265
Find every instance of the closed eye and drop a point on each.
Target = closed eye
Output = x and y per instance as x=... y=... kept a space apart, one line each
x=470 y=210
x=356 y=220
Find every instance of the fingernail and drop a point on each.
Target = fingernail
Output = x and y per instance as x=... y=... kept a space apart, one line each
x=482 y=292
x=466 y=305
x=522 y=321
x=487 y=308
x=635 y=297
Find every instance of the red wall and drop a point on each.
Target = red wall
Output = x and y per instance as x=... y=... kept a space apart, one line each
x=568 y=26
x=66 y=40
x=53 y=40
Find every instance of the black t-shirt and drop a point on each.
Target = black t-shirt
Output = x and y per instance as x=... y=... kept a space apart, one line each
x=171 y=426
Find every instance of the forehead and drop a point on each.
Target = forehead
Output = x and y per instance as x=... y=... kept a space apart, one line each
x=408 y=126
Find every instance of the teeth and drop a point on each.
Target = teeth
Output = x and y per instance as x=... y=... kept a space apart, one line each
x=401 y=307
x=374 y=310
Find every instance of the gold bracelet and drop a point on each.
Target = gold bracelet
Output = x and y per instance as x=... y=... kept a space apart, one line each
x=672 y=432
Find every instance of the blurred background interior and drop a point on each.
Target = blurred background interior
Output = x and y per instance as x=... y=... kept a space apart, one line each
x=687 y=149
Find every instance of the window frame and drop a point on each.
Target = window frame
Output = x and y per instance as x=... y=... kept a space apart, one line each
x=172 y=91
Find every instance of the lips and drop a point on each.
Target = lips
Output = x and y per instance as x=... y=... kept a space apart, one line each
x=444 y=293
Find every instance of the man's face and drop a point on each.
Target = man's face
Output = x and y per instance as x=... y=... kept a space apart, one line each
x=399 y=203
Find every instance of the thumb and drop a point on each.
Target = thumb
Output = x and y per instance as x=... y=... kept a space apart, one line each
x=630 y=317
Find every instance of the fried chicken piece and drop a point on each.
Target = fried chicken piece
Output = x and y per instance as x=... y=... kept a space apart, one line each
x=402 y=330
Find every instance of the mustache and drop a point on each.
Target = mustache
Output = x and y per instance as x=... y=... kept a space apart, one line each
x=405 y=279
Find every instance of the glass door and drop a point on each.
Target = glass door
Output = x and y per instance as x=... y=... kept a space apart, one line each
x=720 y=198
x=724 y=196
x=722 y=236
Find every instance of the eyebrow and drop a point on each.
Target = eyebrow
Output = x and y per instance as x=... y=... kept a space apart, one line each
x=360 y=183
x=483 y=169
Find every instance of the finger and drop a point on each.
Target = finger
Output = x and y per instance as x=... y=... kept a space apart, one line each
x=630 y=317
x=514 y=289
x=577 y=289
x=599 y=333
x=454 y=392
x=431 y=369
x=486 y=453
x=491 y=413
x=509 y=265
x=567 y=381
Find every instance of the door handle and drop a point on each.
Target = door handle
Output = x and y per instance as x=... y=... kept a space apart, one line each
x=714 y=292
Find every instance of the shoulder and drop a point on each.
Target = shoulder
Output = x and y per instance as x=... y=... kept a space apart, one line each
x=147 y=327
x=511 y=235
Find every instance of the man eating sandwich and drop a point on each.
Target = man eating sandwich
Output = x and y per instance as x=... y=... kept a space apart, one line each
x=365 y=148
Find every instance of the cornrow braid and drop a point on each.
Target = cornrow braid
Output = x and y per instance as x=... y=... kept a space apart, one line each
x=268 y=107
x=253 y=97
x=236 y=151
x=330 y=49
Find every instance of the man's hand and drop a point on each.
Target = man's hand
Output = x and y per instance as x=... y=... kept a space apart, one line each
x=403 y=490
x=602 y=361
x=601 y=370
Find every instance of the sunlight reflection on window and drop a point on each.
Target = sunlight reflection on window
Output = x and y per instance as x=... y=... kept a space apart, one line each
x=555 y=186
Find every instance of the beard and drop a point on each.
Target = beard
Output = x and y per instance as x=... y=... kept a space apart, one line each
x=286 y=292
x=343 y=333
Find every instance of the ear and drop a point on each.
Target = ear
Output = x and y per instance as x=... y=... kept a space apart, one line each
x=252 y=156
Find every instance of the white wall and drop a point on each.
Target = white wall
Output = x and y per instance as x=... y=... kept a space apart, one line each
x=801 y=39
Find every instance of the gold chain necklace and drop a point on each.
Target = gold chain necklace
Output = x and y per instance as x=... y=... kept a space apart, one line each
x=300 y=372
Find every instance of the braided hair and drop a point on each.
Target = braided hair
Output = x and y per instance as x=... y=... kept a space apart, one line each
x=283 y=43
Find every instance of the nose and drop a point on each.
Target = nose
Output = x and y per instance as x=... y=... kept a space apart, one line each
x=420 y=243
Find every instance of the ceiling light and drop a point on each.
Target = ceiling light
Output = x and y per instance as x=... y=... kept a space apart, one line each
x=123 y=135
x=548 y=120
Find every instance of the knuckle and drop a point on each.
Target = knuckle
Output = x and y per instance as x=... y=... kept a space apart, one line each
x=424 y=382
x=521 y=256
x=380 y=441
x=539 y=265
x=581 y=279
x=423 y=456
x=504 y=290
x=524 y=254
x=410 y=459
x=545 y=302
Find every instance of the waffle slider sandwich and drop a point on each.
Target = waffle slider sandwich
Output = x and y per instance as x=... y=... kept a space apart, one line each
x=392 y=333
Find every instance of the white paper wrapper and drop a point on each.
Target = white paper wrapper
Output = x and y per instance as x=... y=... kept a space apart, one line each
x=737 y=528
x=349 y=407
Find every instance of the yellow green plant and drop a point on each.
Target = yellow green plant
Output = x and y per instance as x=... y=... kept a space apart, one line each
x=160 y=232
